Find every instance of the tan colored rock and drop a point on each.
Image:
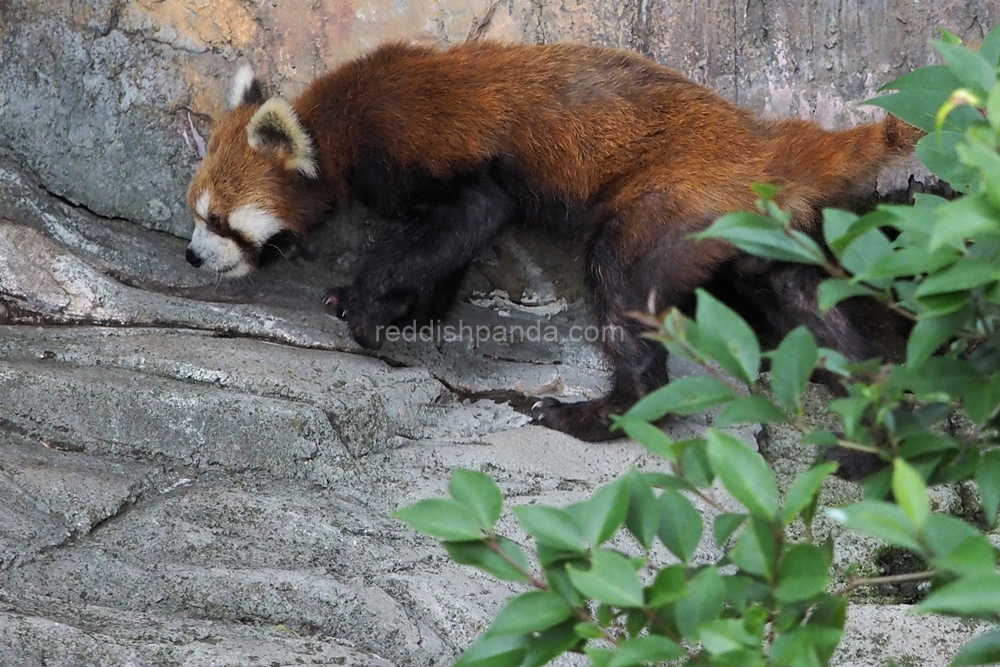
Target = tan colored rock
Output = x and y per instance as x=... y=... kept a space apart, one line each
x=192 y=25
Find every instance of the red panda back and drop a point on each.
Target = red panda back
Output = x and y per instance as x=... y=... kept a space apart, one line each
x=572 y=117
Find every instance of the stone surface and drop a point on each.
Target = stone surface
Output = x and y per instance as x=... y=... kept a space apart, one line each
x=199 y=473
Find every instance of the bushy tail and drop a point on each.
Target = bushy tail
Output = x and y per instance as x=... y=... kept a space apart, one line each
x=899 y=136
x=829 y=168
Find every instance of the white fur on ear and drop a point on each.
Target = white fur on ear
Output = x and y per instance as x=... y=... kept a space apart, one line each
x=276 y=125
x=245 y=88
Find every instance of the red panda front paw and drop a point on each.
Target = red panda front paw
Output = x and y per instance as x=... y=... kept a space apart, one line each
x=367 y=334
x=336 y=300
x=587 y=420
x=363 y=328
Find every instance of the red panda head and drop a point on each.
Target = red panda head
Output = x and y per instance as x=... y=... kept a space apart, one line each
x=245 y=190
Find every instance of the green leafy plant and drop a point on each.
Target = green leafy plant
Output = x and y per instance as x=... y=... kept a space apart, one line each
x=768 y=600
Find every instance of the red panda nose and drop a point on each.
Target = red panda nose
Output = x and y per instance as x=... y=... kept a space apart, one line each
x=192 y=258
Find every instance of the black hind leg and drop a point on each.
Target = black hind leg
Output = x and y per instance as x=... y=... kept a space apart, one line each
x=416 y=273
x=623 y=272
x=776 y=297
x=780 y=297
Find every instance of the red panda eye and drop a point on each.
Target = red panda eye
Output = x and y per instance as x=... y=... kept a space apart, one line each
x=214 y=222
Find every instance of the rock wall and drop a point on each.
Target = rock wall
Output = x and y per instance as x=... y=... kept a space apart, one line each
x=194 y=473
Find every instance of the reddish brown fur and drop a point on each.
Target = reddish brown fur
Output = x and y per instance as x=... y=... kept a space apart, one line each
x=648 y=154
x=599 y=119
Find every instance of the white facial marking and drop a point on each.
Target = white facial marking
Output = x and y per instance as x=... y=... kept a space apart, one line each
x=201 y=206
x=256 y=224
x=218 y=253
x=241 y=84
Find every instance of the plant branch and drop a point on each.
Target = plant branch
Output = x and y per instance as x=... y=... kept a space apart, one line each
x=491 y=542
x=854 y=584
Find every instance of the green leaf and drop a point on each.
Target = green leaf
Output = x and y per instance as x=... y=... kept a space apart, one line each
x=943 y=304
x=981 y=398
x=964 y=275
x=648 y=648
x=559 y=582
x=803 y=573
x=680 y=524
x=833 y=291
x=968 y=66
x=852 y=410
x=694 y=462
x=805 y=647
x=977 y=596
x=605 y=511
x=684 y=396
x=725 y=525
x=727 y=338
x=750 y=410
x=881 y=520
x=950 y=38
x=921 y=93
x=552 y=526
x=866 y=251
x=965 y=218
x=611 y=579
x=529 y=612
x=910 y=261
x=599 y=657
x=494 y=652
x=588 y=630
x=478 y=493
x=744 y=473
x=981 y=650
x=792 y=364
x=943 y=533
x=840 y=228
x=756 y=549
x=669 y=586
x=989 y=48
x=804 y=490
x=549 y=645
x=725 y=636
x=930 y=333
x=744 y=595
x=938 y=152
x=993 y=108
x=982 y=156
x=926 y=443
x=970 y=557
x=441 y=518
x=829 y=612
x=763 y=237
x=479 y=554
x=703 y=602
x=650 y=436
x=988 y=482
x=643 y=518
x=911 y=492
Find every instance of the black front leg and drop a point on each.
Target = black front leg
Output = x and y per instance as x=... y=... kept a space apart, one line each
x=417 y=270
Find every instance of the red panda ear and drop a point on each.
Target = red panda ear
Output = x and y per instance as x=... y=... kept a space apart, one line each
x=246 y=89
x=275 y=126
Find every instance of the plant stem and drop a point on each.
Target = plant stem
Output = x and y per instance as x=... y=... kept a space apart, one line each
x=581 y=613
x=890 y=579
x=858 y=447
x=491 y=542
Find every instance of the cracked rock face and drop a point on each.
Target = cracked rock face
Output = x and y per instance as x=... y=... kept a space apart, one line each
x=198 y=473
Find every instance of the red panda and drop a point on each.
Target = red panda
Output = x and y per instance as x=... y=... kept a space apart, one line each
x=459 y=143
